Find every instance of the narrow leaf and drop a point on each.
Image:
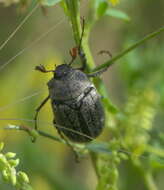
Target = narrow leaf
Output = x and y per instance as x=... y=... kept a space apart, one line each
x=117 y=14
x=111 y=107
x=102 y=8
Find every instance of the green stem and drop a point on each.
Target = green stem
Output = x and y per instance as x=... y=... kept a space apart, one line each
x=73 y=7
x=93 y=157
x=34 y=133
x=132 y=47
x=149 y=181
x=74 y=16
x=146 y=175
x=43 y=134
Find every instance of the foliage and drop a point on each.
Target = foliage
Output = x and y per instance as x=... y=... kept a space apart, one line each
x=130 y=148
x=8 y=164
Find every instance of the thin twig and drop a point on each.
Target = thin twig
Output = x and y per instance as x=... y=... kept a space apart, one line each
x=33 y=133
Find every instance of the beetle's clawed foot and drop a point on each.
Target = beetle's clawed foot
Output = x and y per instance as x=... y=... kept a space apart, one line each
x=105 y=52
x=41 y=68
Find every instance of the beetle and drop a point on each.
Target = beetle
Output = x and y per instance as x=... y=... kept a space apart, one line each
x=76 y=104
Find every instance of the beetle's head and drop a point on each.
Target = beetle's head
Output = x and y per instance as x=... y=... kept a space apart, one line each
x=62 y=70
x=59 y=72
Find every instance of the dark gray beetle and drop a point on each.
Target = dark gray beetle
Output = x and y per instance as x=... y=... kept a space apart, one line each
x=75 y=102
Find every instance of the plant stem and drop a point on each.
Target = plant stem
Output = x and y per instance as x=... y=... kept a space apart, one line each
x=74 y=16
x=146 y=175
x=149 y=181
x=93 y=157
x=43 y=134
x=132 y=47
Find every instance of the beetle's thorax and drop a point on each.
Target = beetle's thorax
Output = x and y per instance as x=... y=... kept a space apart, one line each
x=68 y=83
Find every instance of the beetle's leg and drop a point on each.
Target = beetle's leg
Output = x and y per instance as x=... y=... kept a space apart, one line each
x=83 y=59
x=105 y=52
x=97 y=73
x=67 y=142
x=39 y=108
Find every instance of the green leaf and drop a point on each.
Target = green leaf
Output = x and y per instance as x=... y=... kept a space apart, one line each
x=117 y=14
x=50 y=2
x=110 y=107
x=64 y=7
x=102 y=8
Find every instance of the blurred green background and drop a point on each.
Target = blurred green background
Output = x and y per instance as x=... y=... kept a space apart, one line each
x=51 y=165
